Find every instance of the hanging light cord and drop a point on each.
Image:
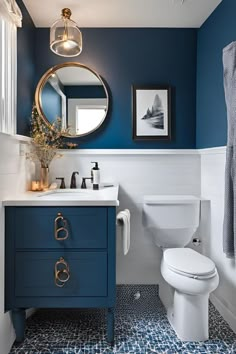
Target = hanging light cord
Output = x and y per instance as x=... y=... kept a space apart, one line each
x=66 y=14
x=65 y=34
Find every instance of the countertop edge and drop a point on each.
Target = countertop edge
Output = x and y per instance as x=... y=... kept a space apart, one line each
x=61 y=203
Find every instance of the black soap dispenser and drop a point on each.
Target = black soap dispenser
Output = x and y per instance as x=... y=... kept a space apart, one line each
x=95 y=173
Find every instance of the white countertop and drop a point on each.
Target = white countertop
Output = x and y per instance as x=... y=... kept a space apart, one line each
x=105 y=196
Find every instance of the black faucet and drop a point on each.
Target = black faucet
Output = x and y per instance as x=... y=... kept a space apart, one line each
x=73 y=180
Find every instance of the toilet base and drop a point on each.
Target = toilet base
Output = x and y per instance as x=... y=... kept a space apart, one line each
x=187 y=314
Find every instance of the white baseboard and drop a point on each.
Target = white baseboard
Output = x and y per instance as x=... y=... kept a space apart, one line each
x=227 y=314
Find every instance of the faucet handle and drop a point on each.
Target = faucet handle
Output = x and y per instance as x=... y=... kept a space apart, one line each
x=83 y=185
x=75 y=173
x=62 y=186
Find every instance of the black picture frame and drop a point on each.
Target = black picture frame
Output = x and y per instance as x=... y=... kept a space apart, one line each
x=151 y=112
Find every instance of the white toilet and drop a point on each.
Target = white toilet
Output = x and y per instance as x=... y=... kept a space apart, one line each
x=188 y=276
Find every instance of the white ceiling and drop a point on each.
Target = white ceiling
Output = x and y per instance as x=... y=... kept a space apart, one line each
x=124 y=13
x=77 y=76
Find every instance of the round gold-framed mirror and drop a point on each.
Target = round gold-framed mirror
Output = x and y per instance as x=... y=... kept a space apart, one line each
x=76 y=94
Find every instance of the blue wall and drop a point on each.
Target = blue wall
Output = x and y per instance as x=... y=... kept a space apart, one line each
x=142 y=56
x=135 y=56
x=25 y=71
x=85 y=91
x=122 y=57
x=218 y=31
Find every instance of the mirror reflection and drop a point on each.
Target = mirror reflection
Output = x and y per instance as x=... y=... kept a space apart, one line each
x=75 y=93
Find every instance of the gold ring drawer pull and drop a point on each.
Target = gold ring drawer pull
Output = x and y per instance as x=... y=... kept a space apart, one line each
x=62 y=272
x=61 y=282
x=57 y=229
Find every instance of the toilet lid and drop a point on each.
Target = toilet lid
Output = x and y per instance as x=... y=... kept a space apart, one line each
x=188 y=261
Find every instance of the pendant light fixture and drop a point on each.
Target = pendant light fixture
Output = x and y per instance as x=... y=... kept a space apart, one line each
x=65 y=36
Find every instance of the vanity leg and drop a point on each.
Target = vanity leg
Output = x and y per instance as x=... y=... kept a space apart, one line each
x=110 y=325
x=18 y=319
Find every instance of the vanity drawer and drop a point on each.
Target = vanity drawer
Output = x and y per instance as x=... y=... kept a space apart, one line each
x=35 y=274
x=65 y=227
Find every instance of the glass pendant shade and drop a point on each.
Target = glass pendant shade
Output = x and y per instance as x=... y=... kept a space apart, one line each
x=65 y=36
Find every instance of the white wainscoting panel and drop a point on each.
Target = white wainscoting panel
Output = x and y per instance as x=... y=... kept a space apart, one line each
x=137 y=175
x=212 y=181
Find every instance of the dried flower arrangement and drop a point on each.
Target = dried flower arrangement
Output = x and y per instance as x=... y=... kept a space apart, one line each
x=45 y=141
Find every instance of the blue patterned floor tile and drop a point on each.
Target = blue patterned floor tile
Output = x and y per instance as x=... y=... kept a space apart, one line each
x=141 y=327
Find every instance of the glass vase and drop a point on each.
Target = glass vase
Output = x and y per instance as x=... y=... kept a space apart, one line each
x=44 y=180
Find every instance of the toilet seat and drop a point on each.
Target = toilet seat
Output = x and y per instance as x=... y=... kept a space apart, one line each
x=189 y=263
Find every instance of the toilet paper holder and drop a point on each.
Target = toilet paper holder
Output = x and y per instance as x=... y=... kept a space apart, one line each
x=196 y=241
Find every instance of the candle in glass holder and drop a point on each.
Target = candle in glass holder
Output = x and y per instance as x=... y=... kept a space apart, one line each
x=35 y=186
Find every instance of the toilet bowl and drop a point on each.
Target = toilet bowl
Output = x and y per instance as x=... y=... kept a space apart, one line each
x=193 y=277
x=187 y=276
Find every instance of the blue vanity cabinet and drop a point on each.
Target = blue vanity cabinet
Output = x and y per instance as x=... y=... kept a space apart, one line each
x=59 y=257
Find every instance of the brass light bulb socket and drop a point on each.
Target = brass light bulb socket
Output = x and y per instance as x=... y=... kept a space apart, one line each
x=66 y=13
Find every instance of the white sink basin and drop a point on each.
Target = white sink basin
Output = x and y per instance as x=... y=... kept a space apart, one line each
x=69 y=193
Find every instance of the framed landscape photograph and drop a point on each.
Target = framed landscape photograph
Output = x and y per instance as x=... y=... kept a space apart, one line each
x=151 y=112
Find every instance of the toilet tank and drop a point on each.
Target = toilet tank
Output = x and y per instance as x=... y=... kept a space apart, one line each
x=171 y=219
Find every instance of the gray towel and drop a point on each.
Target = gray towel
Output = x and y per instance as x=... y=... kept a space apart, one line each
x=229 y=228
